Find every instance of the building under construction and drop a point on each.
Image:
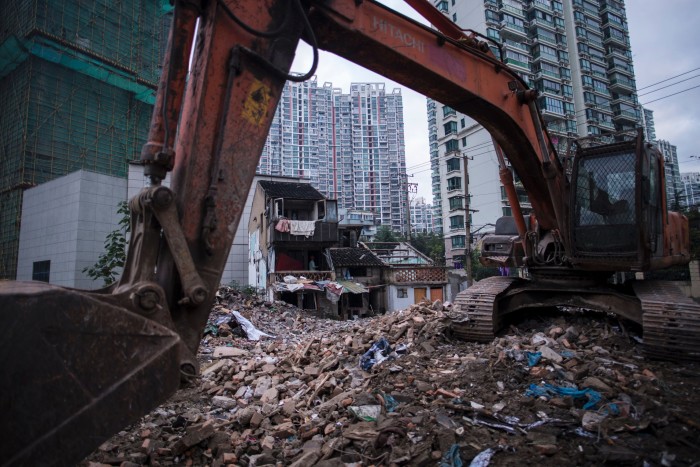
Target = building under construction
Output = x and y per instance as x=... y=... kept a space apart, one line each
x=77 y=84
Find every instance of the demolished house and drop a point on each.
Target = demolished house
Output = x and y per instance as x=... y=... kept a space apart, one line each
x=290 y=227
x=362 y=276
x=294 y=256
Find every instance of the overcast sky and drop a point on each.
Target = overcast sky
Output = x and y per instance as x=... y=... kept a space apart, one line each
x=665 y=38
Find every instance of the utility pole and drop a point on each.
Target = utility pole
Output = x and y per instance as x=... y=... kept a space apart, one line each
x=411 y=188
x=467 y=222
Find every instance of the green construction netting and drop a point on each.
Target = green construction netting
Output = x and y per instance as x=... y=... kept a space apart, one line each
x=130 y=34
x=55 y=121
x=76 y=81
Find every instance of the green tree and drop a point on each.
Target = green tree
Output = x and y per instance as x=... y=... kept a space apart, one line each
x=431 y=245
x=113 y=258
x=385 y=234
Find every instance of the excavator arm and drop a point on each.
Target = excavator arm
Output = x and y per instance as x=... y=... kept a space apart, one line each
x=78 y=365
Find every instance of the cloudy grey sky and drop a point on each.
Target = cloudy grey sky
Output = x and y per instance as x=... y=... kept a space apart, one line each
x=665 y=38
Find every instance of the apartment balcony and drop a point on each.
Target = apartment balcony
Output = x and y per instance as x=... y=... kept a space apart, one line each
x=608 y=6
x=542 y=22
x=518 y=46
x=513 y=10
x=614 y=52
x=619 y=83
x=513 y=30
x=324 y=232
x=622 y=68
x=547 y=74
x=417 y=275
x=627 y=98
x=610 y=39
x=518 y=65
x=540 y=5
x=540 y=38
x=625 y=115
x=550 y=115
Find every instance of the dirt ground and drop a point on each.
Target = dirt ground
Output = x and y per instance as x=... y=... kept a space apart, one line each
x=564 y=388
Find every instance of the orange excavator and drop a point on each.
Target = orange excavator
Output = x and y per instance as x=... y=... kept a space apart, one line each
x=77 y=366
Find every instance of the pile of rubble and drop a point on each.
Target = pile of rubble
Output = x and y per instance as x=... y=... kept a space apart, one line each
x=280 y=387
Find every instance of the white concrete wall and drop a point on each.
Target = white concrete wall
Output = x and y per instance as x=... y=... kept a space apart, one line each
x=394 y=303
x=66 y=221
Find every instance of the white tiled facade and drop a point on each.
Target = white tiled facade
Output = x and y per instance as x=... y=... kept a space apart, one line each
x=65 y=221
x=421 y=216
x=690 y=190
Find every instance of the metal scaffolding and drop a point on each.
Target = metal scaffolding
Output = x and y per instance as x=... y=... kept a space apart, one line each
x=77 y=83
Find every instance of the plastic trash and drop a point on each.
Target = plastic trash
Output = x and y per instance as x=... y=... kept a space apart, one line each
x=253 y=333
x=549 y=390
x=451 y=458
x=390 y=403
x=483 y=458
x=367 y=413
x=533 y=358
x=379 y=352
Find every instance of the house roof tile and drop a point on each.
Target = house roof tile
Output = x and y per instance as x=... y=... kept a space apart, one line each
x=290 y=190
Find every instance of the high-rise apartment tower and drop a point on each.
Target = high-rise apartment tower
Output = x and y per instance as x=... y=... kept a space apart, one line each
x=576 y=53
x=350 y=145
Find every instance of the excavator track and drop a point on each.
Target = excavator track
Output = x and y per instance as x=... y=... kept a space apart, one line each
x=475 y=317
x=671 y=322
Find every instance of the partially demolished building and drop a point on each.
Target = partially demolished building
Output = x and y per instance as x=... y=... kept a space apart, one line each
x=295 y=256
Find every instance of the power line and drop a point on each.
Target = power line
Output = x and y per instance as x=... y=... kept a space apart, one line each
x=668 y=86
x=671 y=95
x=668 y=79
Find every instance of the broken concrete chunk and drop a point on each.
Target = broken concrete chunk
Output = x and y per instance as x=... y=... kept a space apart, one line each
x=225 y=351
x=551 y=355
x=195 y=434
x=223 y=402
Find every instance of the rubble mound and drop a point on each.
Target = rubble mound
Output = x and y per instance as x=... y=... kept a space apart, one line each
x=281 y=387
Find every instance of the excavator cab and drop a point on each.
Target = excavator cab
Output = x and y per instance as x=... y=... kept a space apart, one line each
x=618 y=208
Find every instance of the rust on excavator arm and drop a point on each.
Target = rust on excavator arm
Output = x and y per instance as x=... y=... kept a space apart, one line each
x=77 y=365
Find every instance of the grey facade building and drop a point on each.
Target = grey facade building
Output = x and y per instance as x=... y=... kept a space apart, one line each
x=421 y=216
x=350 y=145
x=648 y=124
x=64 y=225
x=576 y=53
x=690 y=190
x=673 y=175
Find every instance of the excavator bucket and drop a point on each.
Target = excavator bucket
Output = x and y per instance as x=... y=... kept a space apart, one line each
x=75 y=370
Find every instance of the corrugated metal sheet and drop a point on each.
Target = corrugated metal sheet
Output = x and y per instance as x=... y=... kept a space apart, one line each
x=353 y=287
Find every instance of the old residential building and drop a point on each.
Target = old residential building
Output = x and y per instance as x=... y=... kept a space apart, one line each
x=294 y=256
